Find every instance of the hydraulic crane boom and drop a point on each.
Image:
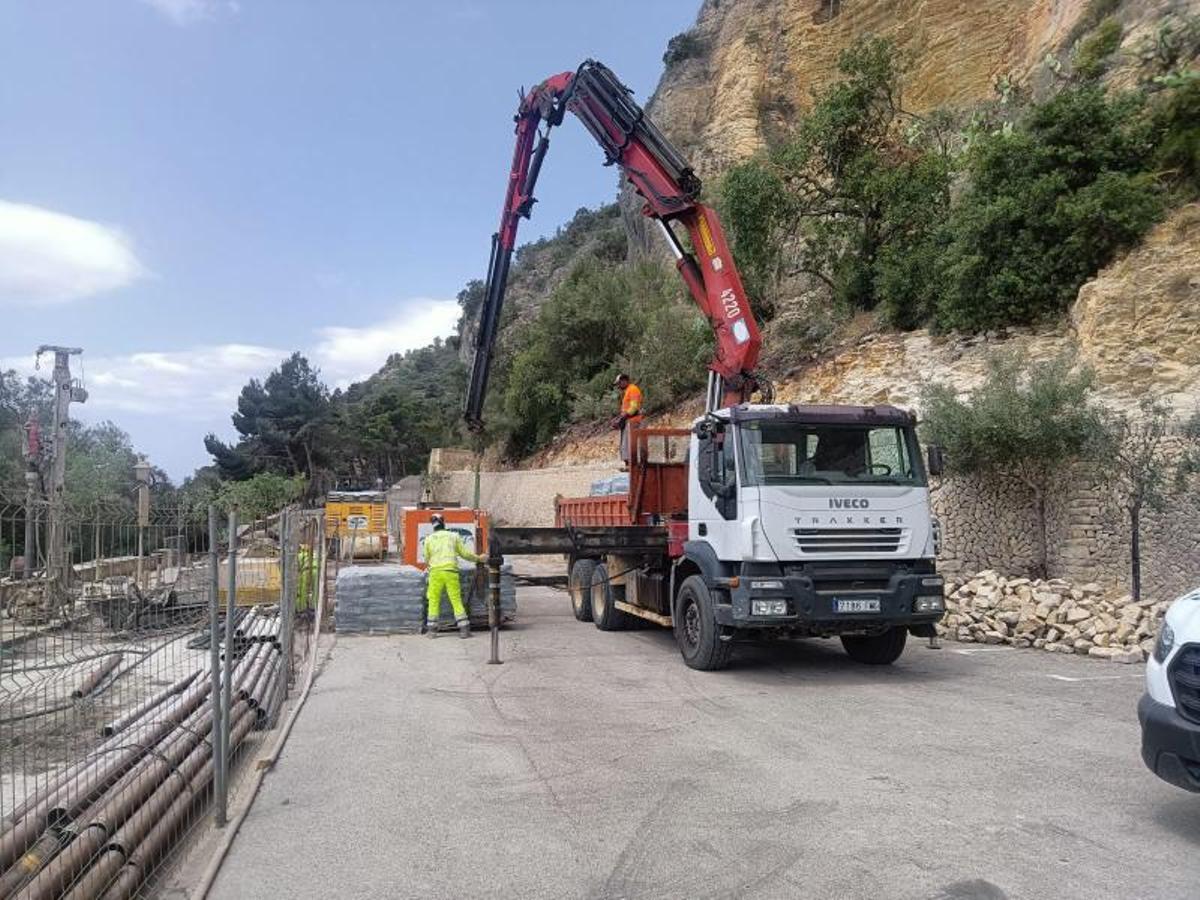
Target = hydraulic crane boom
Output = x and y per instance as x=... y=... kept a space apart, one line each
x=670 y=190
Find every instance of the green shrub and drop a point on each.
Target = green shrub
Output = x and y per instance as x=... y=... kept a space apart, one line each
x=685 y=45
x=1093 y=52
x=1047 y=205
x=263 y=495
x=849 y=198
x=1095 y=13
x=756 y=209
x=599 y=320
x=1176 y=118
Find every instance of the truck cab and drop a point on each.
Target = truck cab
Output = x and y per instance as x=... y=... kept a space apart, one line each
x=808 y=521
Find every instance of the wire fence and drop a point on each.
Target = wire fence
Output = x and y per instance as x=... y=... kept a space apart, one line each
x=132 y=643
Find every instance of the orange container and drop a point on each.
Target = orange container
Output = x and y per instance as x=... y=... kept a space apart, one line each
x=416 y=523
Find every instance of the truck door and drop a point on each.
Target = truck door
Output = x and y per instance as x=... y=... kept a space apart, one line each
x=713 y=492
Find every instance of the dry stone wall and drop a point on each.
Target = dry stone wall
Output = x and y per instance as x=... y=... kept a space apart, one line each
x=992 y=525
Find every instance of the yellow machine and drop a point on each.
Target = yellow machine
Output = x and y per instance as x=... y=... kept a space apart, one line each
x=358 y=521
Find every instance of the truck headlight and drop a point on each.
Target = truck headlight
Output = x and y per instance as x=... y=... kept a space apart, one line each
x=928 y=604
x=1166 y=640
x=768 y=607
x=766 y=585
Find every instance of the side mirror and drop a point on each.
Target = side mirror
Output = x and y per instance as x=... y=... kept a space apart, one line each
x=936 y=461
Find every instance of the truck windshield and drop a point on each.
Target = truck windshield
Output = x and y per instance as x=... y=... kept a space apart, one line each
x=798 y=453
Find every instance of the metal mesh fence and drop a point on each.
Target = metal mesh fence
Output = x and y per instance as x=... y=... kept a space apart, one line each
x=120 y=671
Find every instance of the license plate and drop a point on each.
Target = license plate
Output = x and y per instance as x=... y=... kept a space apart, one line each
x=858 y=605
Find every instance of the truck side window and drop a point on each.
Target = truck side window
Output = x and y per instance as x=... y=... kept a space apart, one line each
x=726 y=472
x=717 y=473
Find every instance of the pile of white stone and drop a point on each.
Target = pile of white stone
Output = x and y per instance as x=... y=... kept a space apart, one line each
x=1051 y=615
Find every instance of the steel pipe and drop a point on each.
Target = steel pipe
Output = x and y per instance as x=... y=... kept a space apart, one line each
x=120 y=724
x=96 y=676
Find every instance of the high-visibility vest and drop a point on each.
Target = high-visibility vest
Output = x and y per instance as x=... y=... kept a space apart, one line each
x=631 y=403
x=442 y=549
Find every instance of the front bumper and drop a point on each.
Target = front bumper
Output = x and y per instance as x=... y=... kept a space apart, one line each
x=812 y=606
x=1170 y=744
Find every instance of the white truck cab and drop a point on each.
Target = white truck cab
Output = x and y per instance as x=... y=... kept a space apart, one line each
x=810 y=521
x=1169 y=711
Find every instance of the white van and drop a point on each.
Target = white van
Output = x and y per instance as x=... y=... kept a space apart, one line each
x=1170 y=709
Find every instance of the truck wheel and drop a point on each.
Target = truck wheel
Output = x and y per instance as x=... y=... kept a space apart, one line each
x=579 y=584
x=696 y=629
x=606 y=616
x=878 y=649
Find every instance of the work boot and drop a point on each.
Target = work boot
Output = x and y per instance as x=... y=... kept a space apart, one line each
x=432 y=629
x=464 y=628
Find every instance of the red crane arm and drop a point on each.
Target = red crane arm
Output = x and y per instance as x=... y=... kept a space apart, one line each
x=670 y=189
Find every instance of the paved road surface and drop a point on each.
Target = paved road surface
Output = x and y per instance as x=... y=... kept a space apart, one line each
x=597 y=765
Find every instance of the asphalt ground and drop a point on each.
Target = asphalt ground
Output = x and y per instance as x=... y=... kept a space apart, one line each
x=597 y=765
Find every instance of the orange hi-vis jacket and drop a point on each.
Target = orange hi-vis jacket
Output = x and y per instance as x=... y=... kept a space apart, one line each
x=631 y=403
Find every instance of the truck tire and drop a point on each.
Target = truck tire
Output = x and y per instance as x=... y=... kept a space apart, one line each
x=696 y=629
x=877 y=649
x=606 y=616
x=579 y=585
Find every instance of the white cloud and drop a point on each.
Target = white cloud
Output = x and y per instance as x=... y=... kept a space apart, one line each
x=49 y=257
x=169 y=399
x=189 y=12
x=345 y=355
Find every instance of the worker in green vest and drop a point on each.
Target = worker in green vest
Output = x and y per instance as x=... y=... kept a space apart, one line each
x=306 y=582
x=441 y=550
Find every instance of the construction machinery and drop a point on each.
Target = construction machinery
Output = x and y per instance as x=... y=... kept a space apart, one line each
x=762 y=519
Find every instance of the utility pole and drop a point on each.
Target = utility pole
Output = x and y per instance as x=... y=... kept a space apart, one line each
x=31 y=450
x=141 y=471
x=66 y=392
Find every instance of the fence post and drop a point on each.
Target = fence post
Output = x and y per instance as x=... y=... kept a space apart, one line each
x=214 y=664
x=287 y=600
x=494 y=608
x=227 y=675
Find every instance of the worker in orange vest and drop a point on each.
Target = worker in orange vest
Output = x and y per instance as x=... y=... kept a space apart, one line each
x=631 y=412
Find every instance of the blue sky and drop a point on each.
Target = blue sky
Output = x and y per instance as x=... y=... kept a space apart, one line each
x=191 y=189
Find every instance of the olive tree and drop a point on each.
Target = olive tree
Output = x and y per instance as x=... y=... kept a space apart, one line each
x=1136 y=459
x=1023 y=423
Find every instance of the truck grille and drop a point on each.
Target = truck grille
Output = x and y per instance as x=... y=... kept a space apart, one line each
x=848 y=540
x=1185 y=681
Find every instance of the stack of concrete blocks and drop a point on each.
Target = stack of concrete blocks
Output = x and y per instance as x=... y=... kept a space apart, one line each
x=380 y=600
x=617 y=484
x=391 y=599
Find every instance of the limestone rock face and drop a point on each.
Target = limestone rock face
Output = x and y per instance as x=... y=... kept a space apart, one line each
x=1138 y=323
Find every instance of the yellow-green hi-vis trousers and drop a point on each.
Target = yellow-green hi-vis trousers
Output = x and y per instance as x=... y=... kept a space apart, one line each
x=446 y=579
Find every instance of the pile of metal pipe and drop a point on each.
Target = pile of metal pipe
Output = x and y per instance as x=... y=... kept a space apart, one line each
x=99 y=828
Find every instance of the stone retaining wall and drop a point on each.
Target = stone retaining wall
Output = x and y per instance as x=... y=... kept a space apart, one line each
x=992 y=525
x=519 y=497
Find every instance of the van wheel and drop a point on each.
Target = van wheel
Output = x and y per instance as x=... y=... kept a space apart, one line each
x=579 y=584
x=696 y=629
x=878 y=649
x=606 y=616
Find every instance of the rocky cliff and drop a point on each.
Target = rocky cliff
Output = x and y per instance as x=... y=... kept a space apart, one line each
x=738 y=78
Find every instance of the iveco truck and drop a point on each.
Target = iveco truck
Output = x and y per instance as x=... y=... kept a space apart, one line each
x=761 y=521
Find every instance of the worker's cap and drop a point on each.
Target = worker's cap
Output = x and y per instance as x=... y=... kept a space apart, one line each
x=619 y=378
x=436 y=520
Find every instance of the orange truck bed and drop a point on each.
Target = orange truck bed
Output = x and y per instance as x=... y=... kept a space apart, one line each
x=606 y=509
